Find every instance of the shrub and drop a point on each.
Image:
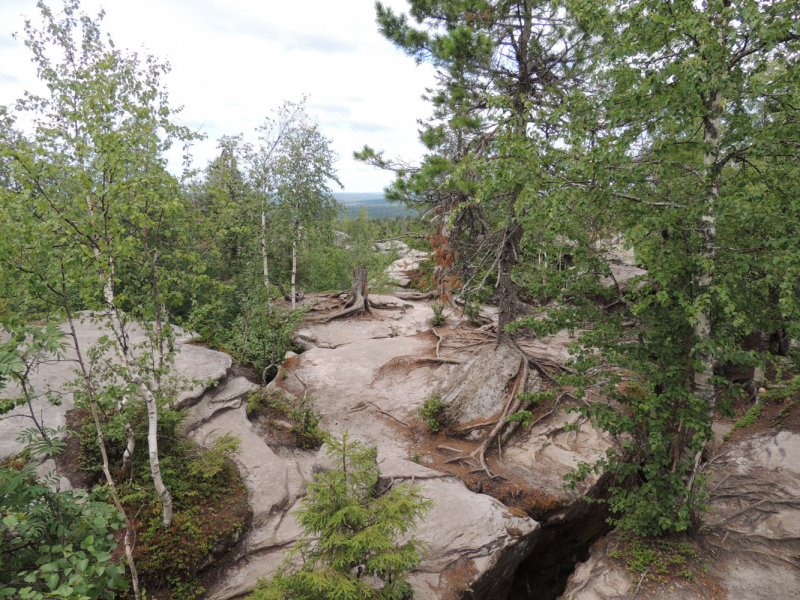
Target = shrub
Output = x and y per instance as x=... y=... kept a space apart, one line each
x=301 y=412
x=55 y=544
x=430 y=410
x=350 y=533
x=438 y=314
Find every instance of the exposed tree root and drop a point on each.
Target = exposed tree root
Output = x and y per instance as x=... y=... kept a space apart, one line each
x=358 y=299
x=512 y=405
x=358 y=306
x=298 y=295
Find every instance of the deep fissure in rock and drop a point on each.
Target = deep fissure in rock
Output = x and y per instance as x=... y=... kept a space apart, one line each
x=565 y=540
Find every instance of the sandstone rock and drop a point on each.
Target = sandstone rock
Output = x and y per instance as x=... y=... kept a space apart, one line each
x=191 y=362
x=273 y=487
x=615 y=250
x=622 y=275
x=392 y=246
x=752 y=528
x=476 y=390
x=547 y=452
x=397 y=271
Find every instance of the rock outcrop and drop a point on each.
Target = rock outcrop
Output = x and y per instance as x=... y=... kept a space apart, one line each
x=191 y=363
x=369 y=376
x=399 y=270
x=750 y=539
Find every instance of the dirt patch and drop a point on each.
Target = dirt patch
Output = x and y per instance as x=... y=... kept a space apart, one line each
x=436 y=450
x=68 y=461
x=456 y=579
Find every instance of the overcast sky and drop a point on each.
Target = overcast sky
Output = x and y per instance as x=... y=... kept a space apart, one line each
x=234 y=60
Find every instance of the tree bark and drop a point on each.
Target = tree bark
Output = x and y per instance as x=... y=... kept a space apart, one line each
x=264 y=258
x=127 y=542
x=702 y=329
x=506 y=287
x=358 y=299
x=294 y=266
x=134 y=375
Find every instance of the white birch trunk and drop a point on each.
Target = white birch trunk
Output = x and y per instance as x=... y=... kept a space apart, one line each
x=294 y=266
x=264 y=250
x=702 y=329
x=136 y=378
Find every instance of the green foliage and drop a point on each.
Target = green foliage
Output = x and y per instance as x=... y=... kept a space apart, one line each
x=657 y=559
x=206 y=488
x=299 y=411
x=750 y=418
x=525 y=417
x=262 y=333
x=55 y=544
x=350 y=532
x=26 y=348
x=438 y=318
x=790 y=388
x=472 y=311
x=430 y=410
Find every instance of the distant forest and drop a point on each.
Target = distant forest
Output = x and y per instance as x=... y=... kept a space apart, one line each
x=376 y=205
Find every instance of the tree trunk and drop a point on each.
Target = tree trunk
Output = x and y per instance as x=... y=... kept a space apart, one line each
x=294 y=267
x=358 y=285
x=359 y=296
x=702 y=329
x=506 y=287
x=133 y=373
x=264 y=250
x=127 y=542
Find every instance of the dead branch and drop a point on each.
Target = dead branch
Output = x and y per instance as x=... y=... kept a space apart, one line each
x=383 y=412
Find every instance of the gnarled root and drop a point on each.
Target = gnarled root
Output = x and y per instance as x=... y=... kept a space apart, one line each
x=358 y=299
x=512 y=405
x=298 y=295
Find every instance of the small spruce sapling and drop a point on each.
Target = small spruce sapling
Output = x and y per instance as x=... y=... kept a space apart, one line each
x=350 y=533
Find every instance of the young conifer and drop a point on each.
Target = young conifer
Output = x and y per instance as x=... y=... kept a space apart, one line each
x=349 y=549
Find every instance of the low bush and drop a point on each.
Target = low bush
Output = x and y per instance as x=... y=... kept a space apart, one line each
x=430 y=410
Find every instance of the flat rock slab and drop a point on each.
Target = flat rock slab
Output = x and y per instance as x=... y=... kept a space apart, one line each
x=191 y=362
x=394 y=323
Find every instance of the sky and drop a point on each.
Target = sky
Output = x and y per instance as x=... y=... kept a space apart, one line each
x=233 y=61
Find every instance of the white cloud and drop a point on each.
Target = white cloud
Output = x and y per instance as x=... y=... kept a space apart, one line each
x=235 y=60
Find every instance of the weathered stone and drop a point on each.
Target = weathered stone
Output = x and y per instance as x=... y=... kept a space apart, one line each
x=398 y=270
x=191 y=362
x=752 y=527
x=392 y=246
x=476 y=390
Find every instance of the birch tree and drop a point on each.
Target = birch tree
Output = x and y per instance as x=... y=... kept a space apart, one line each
x=90 y=177
x=684 y=145
x=304 y=170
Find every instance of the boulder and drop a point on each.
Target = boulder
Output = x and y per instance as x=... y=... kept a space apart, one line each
x=477 y=390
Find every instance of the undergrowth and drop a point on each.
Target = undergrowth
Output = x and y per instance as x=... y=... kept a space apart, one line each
x=438 y=318
x=430 y=410
x=210 y=507
x=750 y=418
x=275 y=405
x=658 y=559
